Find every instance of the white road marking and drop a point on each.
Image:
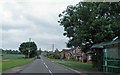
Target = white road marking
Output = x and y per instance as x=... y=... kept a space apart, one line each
x=50 y=72
x=44 y=64
x=48 y=68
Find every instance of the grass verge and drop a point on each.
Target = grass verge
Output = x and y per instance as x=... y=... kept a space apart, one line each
x=11 y=60
x=75 y=65
x=8 y=64
x=0 y=65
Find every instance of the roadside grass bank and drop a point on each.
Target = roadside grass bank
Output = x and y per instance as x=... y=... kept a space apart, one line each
x=0 y=65
x=13 y=60
x=0 y=61
x=79 y=66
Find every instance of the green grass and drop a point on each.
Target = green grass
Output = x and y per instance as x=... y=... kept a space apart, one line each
x=14 y=63
x=13 y=60
x=12 y=56
x=0 y=62
x=75 y=65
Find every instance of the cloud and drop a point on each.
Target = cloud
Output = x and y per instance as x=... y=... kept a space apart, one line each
x=22 y=19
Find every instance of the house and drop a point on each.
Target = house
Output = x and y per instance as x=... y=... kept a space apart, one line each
x=74 y=53
x=70 y=53
x=77 y=54
x=111 y=55
x=65 y=54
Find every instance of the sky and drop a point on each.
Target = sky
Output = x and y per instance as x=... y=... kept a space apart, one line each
x=35 y=19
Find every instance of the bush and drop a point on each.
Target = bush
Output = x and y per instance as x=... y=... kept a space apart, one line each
x=53 y=55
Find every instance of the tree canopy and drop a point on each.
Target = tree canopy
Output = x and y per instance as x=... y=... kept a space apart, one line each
x=88 y=23
x=29 y=49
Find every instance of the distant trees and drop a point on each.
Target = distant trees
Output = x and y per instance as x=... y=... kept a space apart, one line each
x=10 y=52
x=39 y=51
x=29 y=49
x=88 y=23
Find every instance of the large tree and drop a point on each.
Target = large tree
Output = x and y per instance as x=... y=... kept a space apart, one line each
x=29 y=49
x=90 y=23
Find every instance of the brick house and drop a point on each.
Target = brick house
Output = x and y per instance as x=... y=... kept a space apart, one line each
x=72 y=53
x=65 y=54
x=77 y=54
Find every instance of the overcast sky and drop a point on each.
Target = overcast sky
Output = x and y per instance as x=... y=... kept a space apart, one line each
x=35 y=19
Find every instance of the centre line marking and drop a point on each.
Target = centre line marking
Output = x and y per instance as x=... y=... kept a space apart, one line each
x=46 y=66
x=50 y=72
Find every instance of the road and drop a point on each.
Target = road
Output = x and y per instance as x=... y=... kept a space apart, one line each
x=45 y=66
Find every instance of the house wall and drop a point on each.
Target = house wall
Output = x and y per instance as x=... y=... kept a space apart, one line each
x=65 y=55
x=77 y=54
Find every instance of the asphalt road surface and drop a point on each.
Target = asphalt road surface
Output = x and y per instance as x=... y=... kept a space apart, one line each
x=45 y=66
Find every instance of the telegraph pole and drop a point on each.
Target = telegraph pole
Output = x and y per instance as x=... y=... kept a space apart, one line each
x=52 y=47
x=29 y=48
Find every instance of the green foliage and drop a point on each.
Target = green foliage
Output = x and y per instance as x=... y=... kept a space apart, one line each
x=39 y=51
x=90 y=22
x=28 y=49
x=54 y=55
x=10 y=52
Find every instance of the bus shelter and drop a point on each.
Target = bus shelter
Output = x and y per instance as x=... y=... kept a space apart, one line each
x=111 y=55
